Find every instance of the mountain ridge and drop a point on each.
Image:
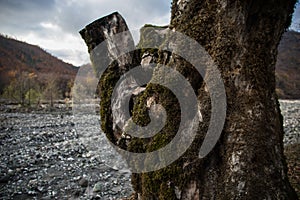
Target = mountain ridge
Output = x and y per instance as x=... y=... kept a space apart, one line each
x=288 y=66
x=18 y=56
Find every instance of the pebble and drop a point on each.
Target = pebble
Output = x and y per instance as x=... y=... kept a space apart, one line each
x=42 y=156
x=4 y=179
x=83 y=182
x=11 y=172
x=98 y=187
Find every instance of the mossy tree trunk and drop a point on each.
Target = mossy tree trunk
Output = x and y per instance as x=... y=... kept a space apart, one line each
x=248 y=162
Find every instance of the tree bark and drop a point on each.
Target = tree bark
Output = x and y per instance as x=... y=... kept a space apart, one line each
x=242 y=37
x=248 y=162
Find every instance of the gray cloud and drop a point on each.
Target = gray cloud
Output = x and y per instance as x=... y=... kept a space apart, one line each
x=74 y=16
x=25 y=11
x=21 y=17
x=54 y=24
x=296 y=19
x=25 y=5
x=71 y=56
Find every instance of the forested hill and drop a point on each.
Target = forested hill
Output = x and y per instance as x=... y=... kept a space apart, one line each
x=18 y=57
x=288 y=66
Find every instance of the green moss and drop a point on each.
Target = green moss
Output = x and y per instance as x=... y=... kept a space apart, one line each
x=168 y=192
x=154 y=26
x=137 y=146
x=168 y=100
x=150 y=38
x=157 y=184
x=160 y=184
x=107 y=82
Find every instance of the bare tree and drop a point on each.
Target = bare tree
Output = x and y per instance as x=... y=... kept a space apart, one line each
x=21 y=87
x=52 y=91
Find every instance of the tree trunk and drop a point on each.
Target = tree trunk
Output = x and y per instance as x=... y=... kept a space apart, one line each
x=242 y=37
x=248 y=161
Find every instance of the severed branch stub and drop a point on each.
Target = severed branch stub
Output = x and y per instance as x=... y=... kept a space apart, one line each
x=112 y=52
x=101 y=29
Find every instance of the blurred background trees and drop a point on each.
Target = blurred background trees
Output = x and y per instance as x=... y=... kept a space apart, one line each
x=27 y=89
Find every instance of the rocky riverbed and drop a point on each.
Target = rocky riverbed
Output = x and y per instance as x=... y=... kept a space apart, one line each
x=43 y=156
x=290 y=109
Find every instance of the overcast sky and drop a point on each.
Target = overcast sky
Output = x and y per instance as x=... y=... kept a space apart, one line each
x=54 y=24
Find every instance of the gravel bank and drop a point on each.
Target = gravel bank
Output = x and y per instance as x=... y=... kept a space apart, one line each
x=42 y=156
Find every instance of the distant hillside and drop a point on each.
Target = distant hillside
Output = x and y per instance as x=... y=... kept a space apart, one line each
x=288 y=66
x=17 y=57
